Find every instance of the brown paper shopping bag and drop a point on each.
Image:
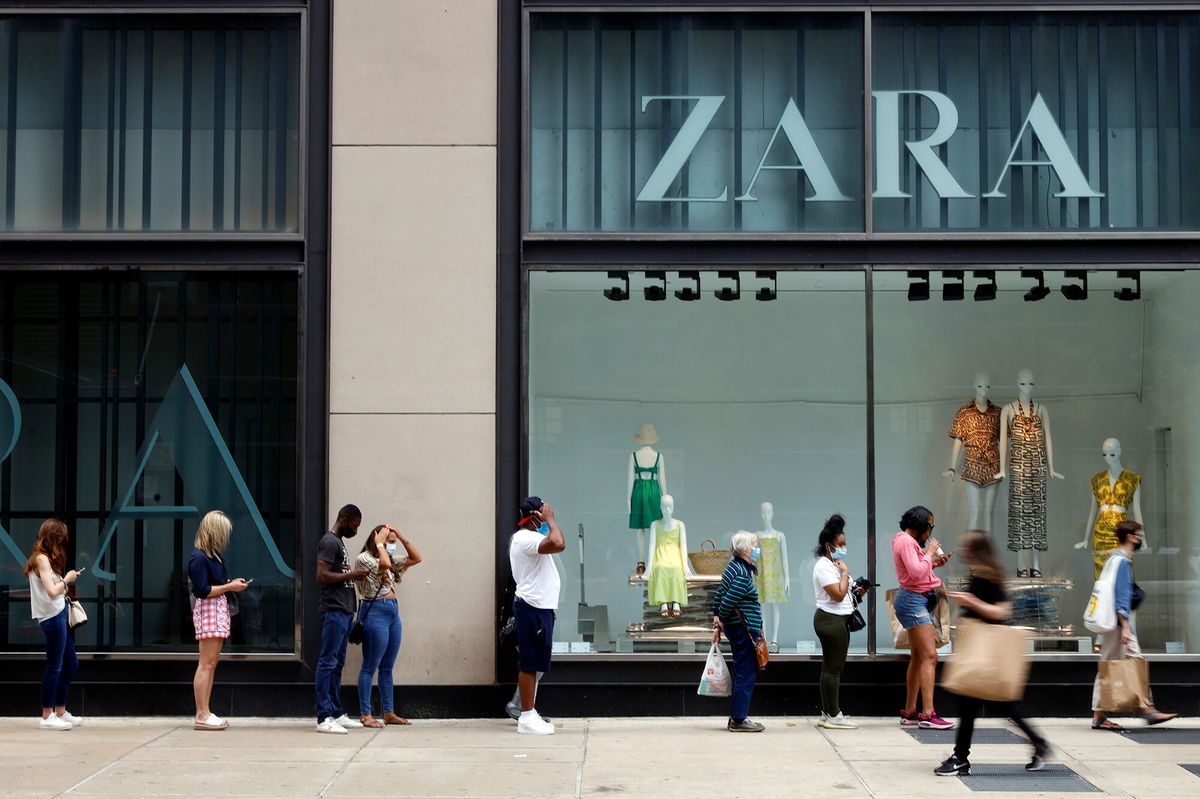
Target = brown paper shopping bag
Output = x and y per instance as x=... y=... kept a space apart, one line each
x=1124 y=685
x=988 y=663
x=941 y=619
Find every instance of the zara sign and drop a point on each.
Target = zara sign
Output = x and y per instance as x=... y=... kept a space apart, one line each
x=890 y=149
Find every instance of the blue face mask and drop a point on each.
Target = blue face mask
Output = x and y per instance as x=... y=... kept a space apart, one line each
x=754 y=553
x=838 y=554
x=544 y=529
x=390 y=549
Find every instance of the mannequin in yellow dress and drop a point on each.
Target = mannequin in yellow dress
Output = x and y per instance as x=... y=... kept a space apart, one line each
x=1114 y=499
x=667 y=567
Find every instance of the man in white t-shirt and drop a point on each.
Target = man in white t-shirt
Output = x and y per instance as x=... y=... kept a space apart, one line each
x=537 y=538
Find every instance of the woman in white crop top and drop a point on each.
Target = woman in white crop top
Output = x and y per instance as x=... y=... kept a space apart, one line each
x=48 y=603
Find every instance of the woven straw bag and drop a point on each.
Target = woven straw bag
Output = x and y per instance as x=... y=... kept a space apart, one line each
x=709 y=561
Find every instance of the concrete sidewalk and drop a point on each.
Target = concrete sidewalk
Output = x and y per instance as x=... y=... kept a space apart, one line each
x=636 y=757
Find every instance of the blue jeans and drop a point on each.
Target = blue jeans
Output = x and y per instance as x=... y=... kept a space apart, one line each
x=913 y=609
x=381 y=643
x=335 y=631
x=745 y=670
x=61 y=662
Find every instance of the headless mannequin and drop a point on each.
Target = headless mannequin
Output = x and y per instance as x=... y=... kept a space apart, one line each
x=981 y=500
x=644 y=457
x=1028 y=558
x=772 y=611
x=667 y=522
x=1111 y=452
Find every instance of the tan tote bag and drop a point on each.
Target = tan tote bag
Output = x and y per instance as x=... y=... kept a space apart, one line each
x=989 y=662
x=1124 y=685
x=941 y=619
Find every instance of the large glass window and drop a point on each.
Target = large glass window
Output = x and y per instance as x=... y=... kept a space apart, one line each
x=740 y=389
x=1107 y=365
x=130 y=405
x=134 y=124
x=691 y=122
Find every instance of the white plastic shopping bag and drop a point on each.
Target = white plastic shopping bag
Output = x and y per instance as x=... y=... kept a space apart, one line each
x=1101 y=613
x=715 y=680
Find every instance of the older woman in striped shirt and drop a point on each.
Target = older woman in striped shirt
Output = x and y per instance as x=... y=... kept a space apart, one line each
x=736 y=611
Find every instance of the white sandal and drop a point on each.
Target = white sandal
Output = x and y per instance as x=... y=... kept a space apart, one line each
x=213 y=722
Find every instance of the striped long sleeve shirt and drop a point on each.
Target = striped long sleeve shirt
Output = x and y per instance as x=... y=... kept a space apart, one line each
x=737 y=592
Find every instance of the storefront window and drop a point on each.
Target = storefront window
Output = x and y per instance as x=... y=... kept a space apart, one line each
x=130 y=406
x=131 y=124
x=740 y=388
x=692 y=122
x=1107 y=363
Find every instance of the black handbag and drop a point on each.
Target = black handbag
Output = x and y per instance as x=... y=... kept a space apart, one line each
x=855 y=621
x=356 y=632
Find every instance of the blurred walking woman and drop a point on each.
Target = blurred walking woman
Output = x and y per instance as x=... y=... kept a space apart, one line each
x=835 y=603
x=736 y=611
x=210 y=613
x=48 y=603
x=380 y=616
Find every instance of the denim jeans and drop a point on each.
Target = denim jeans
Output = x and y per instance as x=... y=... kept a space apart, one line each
x=61 y=662
x=381 y=643
x=335 y=630
x=745 y=670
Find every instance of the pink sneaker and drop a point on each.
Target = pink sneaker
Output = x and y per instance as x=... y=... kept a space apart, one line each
x=933 y=722
x=908 y=719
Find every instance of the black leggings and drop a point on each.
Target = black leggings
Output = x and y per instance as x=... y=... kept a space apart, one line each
x=969 y=709
x=835 y=641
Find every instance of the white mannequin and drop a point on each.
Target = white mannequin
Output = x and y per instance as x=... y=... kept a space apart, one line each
x=645 y=458
x=667 y=522
x=981 y=500
x=1024 y=402
x=1110 y=450
x=772 y=611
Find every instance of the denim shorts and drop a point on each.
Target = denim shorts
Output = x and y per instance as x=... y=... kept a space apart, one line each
x=913 y=609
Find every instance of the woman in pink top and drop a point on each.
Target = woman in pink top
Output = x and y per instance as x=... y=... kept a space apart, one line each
x=915 y=604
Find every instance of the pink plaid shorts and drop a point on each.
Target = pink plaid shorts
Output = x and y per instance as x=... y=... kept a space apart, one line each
x=210 y=617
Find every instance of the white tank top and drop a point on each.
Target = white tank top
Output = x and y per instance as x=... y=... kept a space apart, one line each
x=42 y=604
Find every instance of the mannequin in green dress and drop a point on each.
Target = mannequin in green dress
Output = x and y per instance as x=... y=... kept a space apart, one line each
x=773 y=580
x=646 y=486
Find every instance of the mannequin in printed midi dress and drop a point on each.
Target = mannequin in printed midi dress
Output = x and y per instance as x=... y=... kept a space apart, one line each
x=667 y=564
x=772 y=578
x=646 y=485
x=1114 y=499
x=1026 y=454
x=976 y=428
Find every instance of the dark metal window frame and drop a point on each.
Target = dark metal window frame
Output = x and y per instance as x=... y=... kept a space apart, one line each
x=519 y=253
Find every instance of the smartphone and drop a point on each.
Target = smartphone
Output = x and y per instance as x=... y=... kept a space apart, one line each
x=250 y=580
x=81 y=570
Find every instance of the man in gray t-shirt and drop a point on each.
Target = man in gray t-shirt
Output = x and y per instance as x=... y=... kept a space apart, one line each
x=337 y=605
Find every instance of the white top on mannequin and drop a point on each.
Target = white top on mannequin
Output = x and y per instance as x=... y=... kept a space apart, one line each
x=645 y=458
x=983 y=384
x=667 y=522
x=1110 y=450
x=1024 y=403
x=767 y=531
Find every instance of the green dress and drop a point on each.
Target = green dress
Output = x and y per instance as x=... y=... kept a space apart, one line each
x=770 y=580
x=667 y=583
x=645 y=501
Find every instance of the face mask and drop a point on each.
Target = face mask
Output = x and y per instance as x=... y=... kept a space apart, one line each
x=348 y=531
x=838 y=554
x=390 y=549
x=544 y=529
x=1137 y=545
x=754 y=553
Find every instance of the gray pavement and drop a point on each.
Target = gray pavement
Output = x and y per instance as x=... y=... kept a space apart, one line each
x=650 y=757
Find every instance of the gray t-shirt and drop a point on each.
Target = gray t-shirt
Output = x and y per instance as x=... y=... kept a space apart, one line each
x=335 y=596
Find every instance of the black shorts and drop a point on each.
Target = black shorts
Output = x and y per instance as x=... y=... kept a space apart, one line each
x=535 y=634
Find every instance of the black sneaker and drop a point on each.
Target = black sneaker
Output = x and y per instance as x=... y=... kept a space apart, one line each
x=952 y=767
x=745 y=725
x=1039 y=758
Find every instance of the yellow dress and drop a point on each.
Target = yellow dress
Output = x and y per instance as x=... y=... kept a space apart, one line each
x=1104 y=534
x=667 y=583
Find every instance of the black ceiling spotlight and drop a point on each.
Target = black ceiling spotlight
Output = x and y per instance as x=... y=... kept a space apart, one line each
x=1129 y=294
x=726 y=294
x=688 y=293
x=767 y=294
x=616 y=293
x=1039 y=292
x=952 y=291
x=656 y=293
x=985 y=292
x=1075 y=291
x=918 y=290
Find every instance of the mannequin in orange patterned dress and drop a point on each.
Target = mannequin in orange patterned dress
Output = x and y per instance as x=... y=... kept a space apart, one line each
x=976 y=428
x=1114 y=500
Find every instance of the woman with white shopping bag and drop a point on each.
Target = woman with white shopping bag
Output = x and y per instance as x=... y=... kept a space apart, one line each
x=1120 y=642
x=984 y=603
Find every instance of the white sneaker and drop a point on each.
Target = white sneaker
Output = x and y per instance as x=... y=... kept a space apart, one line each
x=534 y=725
x=331 y=726
x=348 y=723
x=76 y=721
x=53 y=722
x=838 y=722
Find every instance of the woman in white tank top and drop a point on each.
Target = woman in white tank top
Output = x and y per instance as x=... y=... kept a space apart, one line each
x=48 y=604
